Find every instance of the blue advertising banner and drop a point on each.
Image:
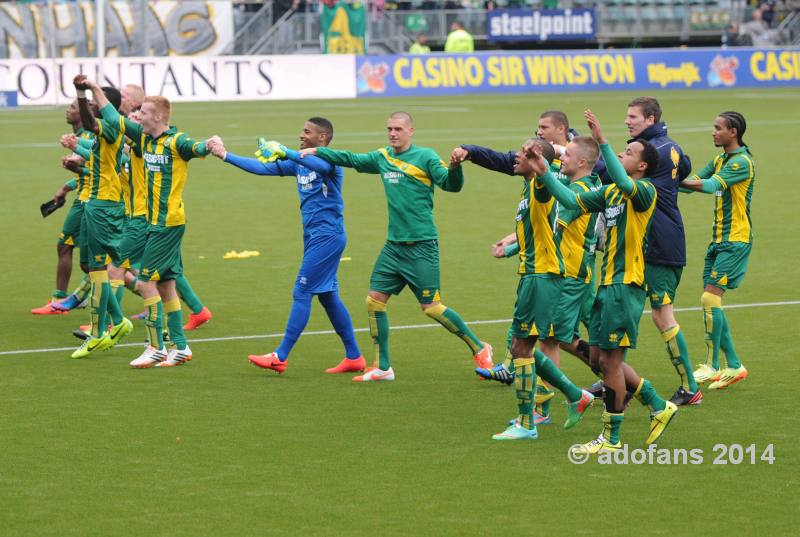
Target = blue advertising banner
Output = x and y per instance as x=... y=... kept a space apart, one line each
x=8 y=99
x=540 y=24
x=561 y=71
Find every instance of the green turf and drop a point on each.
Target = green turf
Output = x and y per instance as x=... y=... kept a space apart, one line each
x=91 y=447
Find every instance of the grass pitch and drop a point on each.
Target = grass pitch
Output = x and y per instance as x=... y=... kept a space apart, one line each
x=218 y=447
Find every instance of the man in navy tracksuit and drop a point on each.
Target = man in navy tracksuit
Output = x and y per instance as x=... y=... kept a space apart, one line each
x=665 y=256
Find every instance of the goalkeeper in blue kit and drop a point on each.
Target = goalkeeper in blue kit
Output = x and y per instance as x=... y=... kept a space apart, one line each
x=319 y=185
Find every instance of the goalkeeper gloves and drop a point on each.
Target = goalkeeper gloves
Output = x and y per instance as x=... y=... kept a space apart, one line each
x=270 y=151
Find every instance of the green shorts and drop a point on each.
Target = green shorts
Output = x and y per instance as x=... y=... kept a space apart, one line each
x=70 y=232
x=84 y=248
x=567 y=313
x=726 y=264
x=615 y=316
x=104 y=221
x=413 y=264
x=661 y=282
x=161 y=259
x=134 y=238
x=537 y=296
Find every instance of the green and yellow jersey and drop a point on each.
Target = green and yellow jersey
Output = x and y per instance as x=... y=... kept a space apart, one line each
x=538 y=253
x=575 y=233
x=628 y=219
x=735 y=176
x=134 y=185
x=104 y=163
x=83 y=177
x=166 y=167
x=408 y=180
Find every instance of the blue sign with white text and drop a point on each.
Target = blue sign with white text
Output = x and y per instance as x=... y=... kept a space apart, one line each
x=575 y=70
x=540 y=24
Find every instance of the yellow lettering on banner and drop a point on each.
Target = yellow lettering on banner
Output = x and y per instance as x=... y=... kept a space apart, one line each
x=515 y=75
x=455 y=69
x=475 y=71
x=399 y=77
x=495 y=71
x=580 y=69
x=772 y=65
x=687 y=73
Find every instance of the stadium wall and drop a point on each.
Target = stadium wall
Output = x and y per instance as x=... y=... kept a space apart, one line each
x=226 y=78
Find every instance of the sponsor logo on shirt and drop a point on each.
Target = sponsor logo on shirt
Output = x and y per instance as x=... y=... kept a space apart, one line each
x=393 y=177
x=612 y=213
x=306 y=181
x=522 y=208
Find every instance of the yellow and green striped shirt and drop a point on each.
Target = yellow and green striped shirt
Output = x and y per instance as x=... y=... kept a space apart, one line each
x=735 y=173
x=575 y=232
x=104 y=163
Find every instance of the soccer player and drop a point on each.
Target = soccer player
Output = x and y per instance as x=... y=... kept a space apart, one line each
x=730 y=177
x=665 y=256
x=319 y=186
x=628 y=205
x=60 y=302
x=541 y=272
x=166 y=153
x=103 y=218
x=410 y=256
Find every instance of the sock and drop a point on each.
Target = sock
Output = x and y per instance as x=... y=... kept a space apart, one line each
x=98 y=302
x=112 y=306
x=714 y=321
x=118 y=288
x=175 y=322
x=379 y=330
x=523 y=384
x=508 y=363
x=298 y=319
x=648 y=396
x=726 y=344
x=154 y=321
x=450 y=319
x=57 y=295
x=678 y=353
x=187 y=294
x=551 y=374
x=83 y=289
x=612 y=423
x=341 y=321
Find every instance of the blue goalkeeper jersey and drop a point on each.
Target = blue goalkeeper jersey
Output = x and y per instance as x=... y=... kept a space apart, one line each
x=319 y=185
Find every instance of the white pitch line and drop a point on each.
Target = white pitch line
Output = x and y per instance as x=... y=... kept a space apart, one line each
x=400 y=327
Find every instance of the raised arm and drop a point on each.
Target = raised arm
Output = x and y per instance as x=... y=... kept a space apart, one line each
x=448 y=178
x=616 y=171
x=313 y=163
x=253 y=165
x=489 y=158
x=87 y=118
x=362 y=162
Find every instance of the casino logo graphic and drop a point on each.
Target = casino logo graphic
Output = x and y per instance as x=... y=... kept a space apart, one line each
x=722 y=71
x=372 y=78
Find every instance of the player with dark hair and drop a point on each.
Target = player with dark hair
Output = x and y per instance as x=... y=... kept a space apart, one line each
x=103 y=219
x=410 y=256
x=319 y=186
x=665 y=256
x=628 y=204
x=730 y=177
x=59 y=301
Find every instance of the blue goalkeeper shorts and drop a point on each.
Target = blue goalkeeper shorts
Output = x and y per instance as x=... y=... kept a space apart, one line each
x=321 y=256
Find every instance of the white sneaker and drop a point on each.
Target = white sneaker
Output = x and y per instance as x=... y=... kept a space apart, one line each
x=149 y=357
x=375 y=374
x=177 y=357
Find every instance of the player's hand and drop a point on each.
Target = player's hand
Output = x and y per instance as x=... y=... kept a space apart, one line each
x=559 y=149
x=458 y=156
x=533 y=151
x=594 y=126
x=217 y=147
x=69 y=141
x=308 y=151
x=60 y=194
x=81 y=82
x=498 y=249
x=73 y=163
x=270 y=151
